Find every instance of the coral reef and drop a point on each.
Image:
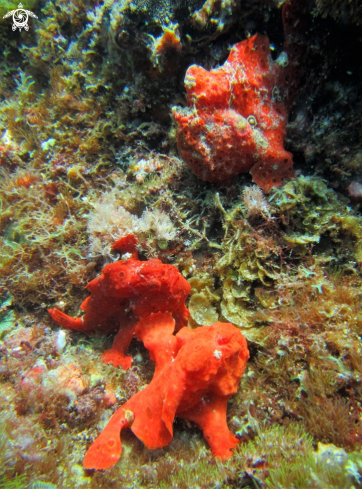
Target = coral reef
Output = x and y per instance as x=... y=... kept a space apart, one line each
x=255 y=203
x=350 y=11
x=109 y=222
x=355 y=191
x=41 y=227
x=165 y=22
x=88 y=154
x=7 y=316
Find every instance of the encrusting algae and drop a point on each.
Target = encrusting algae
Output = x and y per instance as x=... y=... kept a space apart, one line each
x=127 y=132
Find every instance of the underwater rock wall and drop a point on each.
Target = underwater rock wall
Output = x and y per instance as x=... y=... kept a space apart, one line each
x=88 y=155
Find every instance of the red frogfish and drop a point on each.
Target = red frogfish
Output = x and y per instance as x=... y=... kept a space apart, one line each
x=196 y=372
x=236 y=117
x=126 y=291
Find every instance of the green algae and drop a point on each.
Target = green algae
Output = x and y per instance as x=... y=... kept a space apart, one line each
x=8 y=478
x=17 y=482
x=7 y=316
x=9 y=5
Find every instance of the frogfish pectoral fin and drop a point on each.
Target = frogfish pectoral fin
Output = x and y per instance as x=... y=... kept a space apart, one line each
x=66 y=321
x=117 y=354
x=106 y=450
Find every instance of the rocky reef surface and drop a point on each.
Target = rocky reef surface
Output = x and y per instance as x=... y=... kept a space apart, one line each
x=111 y=113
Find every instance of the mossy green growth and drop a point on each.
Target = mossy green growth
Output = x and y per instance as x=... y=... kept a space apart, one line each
x=19 y=482
x=162 y=244
x=314 y=213
x=7 y=316
x=43 y=485
x=9 y=5
x=8 y=480
x=283 y=456
x=202 y=474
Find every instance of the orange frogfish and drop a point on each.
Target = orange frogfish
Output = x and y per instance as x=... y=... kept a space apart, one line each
x=237 y=114
x=196 y=372
x=125 y=292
